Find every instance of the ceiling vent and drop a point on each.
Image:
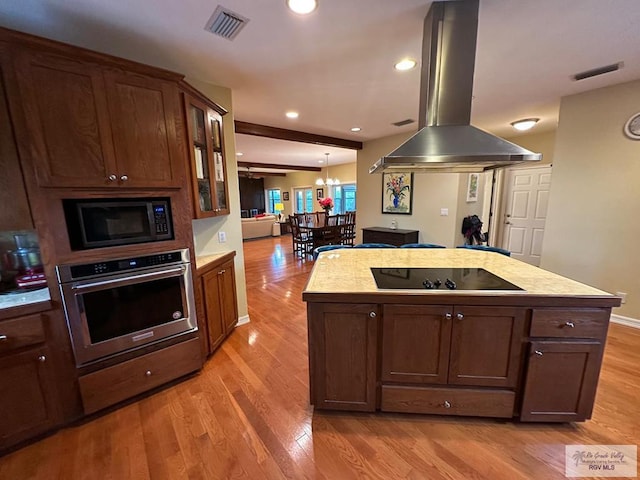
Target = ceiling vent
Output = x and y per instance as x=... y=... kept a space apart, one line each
x=402 y=123
x=225 y=23
x=598 y=71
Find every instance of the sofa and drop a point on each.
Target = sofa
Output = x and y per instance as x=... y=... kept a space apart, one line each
x=256 y=227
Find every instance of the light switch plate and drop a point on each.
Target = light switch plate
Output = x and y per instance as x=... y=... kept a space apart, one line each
x=222 y=237
x=444 y=212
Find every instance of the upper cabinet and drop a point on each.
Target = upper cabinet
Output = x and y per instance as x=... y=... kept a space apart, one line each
x=208 y=163
x=92 y=125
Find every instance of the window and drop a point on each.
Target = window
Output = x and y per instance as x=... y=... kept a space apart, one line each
x=344 y=198
x=303 y=199
x=273 y=197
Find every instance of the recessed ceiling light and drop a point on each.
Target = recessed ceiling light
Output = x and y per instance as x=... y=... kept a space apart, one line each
x=405 y=64
x=525 y=124
x=302 y=7
x=239 y=154
x=356 y=129
x=292 y=114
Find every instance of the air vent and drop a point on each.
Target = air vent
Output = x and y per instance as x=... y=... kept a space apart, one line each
x=402 y=123
x=598 y=71
x=225 y=23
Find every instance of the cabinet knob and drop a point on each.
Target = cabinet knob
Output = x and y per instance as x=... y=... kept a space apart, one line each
x=112 y=178
x=459 y=316
x=570 y=324
x=3 y=338
x=147 y=373
x=538 y=352
x=42 y=359
x=448 y=316
x=124 y=178
x=372 y=314
x=447 y=404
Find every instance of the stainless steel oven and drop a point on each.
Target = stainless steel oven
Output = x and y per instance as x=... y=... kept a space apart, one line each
x=114 y=306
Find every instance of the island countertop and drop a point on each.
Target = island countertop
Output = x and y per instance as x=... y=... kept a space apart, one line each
x=347 y=273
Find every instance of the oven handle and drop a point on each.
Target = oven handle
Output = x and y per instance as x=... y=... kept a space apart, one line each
x=130 y=278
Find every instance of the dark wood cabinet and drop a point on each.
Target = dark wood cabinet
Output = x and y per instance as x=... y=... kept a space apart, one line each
x=92 y=126
x=389 y=235
x=12 y=189
x=343 y=355
x=28 y=397
x=209 y=184
x=218 y=302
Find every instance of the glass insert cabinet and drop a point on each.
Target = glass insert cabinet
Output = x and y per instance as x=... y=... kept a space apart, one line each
x=208 y=163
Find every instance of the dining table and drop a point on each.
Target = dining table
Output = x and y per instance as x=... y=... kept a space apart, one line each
x=321 y=233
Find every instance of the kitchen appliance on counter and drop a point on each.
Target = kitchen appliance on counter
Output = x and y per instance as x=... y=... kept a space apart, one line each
x=110 y=222
x=441 y=279
x=23 y=265
x=115 y=306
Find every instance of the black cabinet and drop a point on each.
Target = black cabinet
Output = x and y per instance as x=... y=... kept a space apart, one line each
x=388 y=235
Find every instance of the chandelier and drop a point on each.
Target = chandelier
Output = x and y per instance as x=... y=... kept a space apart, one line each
x=327 y=181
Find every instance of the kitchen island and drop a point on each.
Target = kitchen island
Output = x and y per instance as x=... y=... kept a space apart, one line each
x=533 y=353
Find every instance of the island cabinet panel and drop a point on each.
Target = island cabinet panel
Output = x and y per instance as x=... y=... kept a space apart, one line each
x=416 y=342
x=343 y=355
x=561 y=381
x=486 y=346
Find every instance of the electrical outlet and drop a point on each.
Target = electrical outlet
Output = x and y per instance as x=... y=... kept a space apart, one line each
x=444 y=212
x=622 y=295
x=222 y=237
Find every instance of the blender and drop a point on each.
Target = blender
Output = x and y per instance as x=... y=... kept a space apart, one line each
x=25 y=262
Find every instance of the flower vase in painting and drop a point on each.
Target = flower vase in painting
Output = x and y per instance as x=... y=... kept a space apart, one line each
x=398 y=193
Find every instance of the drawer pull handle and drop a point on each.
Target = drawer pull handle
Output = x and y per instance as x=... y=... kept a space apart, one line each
x=459 y=316
x=570 y=324
x=124 y=178
x=447 y=404
x=448 y=316
x=3 y=338
x=538 y=352
x=112 y=178
x=147 y=373
x=372 y=314
x=42 y=359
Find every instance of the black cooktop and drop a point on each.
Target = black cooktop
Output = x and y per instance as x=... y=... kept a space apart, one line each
x=439 y=279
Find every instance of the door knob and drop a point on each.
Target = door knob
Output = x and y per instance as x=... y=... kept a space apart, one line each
x=112 y=178
x=372 y=314
x=448 y=316
x=459 y=316
x=124 y=178
x=507 y=223
x=42 y=359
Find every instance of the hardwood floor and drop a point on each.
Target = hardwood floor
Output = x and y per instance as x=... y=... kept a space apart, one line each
x=247 y=414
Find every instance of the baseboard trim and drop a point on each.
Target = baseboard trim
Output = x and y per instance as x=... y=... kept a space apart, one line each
x=628 y=321
x=243 y=320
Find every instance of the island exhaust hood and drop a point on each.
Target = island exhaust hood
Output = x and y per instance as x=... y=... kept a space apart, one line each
x=446 y=142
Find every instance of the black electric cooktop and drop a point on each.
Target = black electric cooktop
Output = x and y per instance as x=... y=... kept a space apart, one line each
x=439 y=279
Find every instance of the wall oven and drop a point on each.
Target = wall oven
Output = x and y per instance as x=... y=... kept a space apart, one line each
x=114 y=306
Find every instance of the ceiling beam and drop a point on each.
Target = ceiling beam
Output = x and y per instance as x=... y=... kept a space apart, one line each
x=244 y=173
x=278 y=167
x=247 y=128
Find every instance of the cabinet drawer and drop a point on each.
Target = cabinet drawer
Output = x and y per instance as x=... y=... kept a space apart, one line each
x=569 y=323
x=119 y=382
x=448 y=401
x=21 y=332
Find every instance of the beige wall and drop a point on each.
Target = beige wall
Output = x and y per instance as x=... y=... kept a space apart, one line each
x=205 y=231
x=543 y=142
x=592 y=228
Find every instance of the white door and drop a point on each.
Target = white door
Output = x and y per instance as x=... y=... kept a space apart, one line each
x=527 y=197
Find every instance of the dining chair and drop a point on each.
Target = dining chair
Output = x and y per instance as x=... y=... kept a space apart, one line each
x=302 y=242
x=421 y=245
x=374 y=245
x=486 y=248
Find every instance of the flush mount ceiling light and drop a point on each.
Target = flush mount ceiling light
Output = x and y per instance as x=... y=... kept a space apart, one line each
x=302 y=7
x=239 y=154
x=292 y=114
x=356 y=129
x=405 y=64
x=327 y=181
x=525 y=124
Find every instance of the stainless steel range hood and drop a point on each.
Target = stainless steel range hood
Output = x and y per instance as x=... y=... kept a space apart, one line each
x=446 y=142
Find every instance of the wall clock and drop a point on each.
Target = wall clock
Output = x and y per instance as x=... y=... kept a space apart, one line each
x=632 y=127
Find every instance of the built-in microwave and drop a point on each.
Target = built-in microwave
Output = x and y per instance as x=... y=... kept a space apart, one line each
x=117 y=221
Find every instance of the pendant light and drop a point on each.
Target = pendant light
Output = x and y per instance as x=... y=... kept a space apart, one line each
x=328 y=181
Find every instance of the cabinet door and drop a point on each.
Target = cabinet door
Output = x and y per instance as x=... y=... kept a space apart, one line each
x=486 y=346
x=561 y=381
x=144 y=112
x=228 y=297
x=342 y=355
x=27 y=396
x=416 y=341
x=214 y=317
x=12 y=189
x=68 y=135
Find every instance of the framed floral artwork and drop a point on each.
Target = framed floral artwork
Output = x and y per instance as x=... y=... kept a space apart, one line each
x=397 y=193
x=472 y=187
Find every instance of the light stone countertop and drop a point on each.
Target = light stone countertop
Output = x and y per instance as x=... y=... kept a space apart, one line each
x=348 y=271
x=203 y=260
x=26 y=298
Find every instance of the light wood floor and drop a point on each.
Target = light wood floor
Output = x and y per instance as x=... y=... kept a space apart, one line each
x=247 y=414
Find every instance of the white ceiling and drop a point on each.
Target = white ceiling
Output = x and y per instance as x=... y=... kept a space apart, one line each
x=336 y=66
